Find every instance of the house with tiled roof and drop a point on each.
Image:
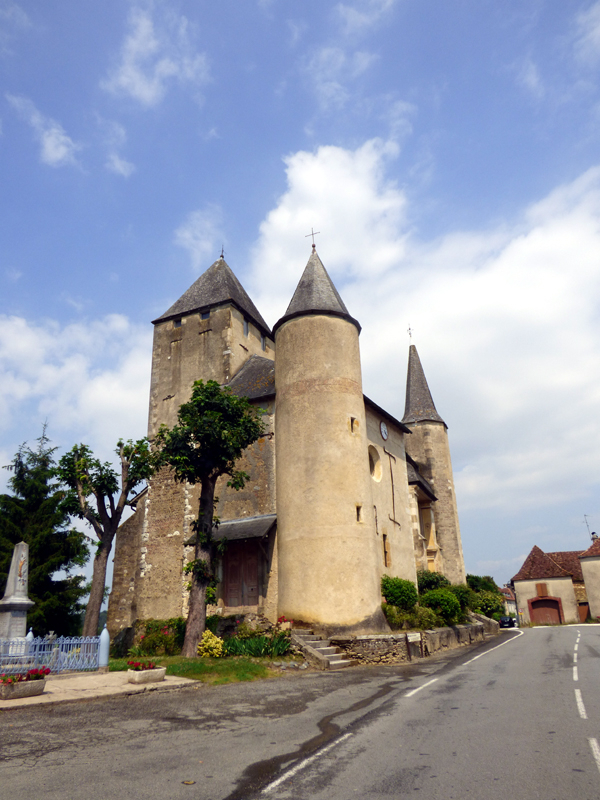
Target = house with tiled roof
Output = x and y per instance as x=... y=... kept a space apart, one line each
x=553 y=588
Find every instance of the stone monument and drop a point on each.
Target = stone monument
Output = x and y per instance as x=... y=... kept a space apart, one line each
x=15 y=603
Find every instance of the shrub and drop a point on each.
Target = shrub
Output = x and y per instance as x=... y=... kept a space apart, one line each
x=399 y=593
x=160 y=637
x=490 y=603
x=210 y=646
x=444 y=603
x=396 y=619
x=424 y=619
x=427 y=581
x=258 y=645
x=465 y=596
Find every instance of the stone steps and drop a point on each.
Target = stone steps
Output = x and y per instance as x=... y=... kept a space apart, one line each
x=328 y=656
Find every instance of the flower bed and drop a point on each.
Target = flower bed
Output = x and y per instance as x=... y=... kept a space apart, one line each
x=145 y=672
x=28 y=684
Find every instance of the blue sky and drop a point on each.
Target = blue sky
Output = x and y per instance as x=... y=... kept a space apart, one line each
x=448 y=152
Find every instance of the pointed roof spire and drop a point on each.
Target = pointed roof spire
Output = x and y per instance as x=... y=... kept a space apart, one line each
x=315 y=294
x=419 y=403
x=215 y=287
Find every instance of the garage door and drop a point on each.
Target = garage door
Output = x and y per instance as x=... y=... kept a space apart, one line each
x=545 y=612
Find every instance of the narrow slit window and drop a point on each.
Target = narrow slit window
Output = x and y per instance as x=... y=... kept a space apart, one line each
x=177 y=323
x=359 y=513
x=246 y=327
x=387 y=560
x=205 y=315
x=353 y=425
x=263 y=342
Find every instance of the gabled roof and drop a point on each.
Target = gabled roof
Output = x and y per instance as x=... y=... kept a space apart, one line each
x=419 y=405
x=569 y=561
x=244 y=528
x=215 y=287
x=592 y=551
x=539 y=565
x=315 y=294
x=256 y=378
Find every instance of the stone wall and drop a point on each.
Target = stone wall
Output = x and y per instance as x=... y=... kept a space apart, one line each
x=399 y=648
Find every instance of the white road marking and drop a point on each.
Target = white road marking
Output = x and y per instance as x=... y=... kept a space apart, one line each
x=580 y=706
x=577 y=645
x=302 y=764
x=595 y=751
x=418 y=689
x=491 y=650
x=574 y=658
x=575 y=676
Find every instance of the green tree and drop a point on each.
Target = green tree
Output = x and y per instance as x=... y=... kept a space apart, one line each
x=482 y=583
x=37 y=513
x=214 y=428
x=99 y=495
x=399 y=592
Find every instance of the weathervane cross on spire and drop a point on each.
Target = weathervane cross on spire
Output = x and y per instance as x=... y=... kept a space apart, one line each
x=312 y=233
x=410 y=332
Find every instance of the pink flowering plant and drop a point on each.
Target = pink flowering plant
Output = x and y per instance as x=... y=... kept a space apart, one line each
x=38 y=674
x=139 y=666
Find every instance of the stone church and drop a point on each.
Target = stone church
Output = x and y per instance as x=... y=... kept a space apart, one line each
x=341 y=492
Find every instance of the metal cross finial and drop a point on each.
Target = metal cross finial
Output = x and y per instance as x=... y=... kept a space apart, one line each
x=312 y=233
x=222 y=251
x=410 y=332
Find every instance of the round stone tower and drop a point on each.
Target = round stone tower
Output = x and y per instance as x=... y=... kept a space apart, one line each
x=328 y=568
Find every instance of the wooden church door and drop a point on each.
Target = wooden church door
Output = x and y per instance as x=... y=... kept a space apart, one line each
x=241 y=573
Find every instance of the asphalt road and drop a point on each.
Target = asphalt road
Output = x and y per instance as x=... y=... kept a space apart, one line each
x=520 y=720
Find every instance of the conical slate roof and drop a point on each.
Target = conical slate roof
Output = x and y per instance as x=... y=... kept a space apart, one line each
x=316 y=294
x=215 y=287
x=419 y=403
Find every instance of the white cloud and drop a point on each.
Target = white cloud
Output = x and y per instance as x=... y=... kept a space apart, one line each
x=154 y=55
x=506 y=320
x=363 y=14
x=115 y=138
x=12 y=18
x=201 y=234
x=528 y=76
x=587 y=42
x=331 y=69
x=57 y=148
x=90 y=381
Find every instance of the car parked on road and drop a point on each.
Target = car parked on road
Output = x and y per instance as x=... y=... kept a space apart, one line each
x=507 y=622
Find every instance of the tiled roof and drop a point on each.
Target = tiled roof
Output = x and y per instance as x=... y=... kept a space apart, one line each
x=255 y=379
x=507 y=592
x=244 y=528
x=315 y=294
x=569 y=561
x=538 y=566
x=594 y=550
x=217 y=286
x=419 y=405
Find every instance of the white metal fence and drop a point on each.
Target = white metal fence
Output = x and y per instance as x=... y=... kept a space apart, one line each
x=62 y=654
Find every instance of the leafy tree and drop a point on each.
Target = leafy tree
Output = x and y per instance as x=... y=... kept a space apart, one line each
x=37 y=513
x=214 y=428
x=489 y=603
x=426 y=581
x=465 y=596
x=399 y=592
x=97 y=494
x=482 y=583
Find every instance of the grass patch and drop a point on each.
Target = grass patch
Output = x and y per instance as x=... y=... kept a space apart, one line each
x=207 y=670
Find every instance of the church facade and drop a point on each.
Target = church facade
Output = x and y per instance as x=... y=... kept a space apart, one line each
x=340 y=491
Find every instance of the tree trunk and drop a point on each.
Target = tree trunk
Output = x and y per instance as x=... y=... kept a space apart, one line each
x=92 y=614
x=196 y=621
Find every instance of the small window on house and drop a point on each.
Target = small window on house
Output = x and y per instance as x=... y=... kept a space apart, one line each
x=263 y=342
x=359 y=517
x=177 y=323
x=246 y=327
x=205 y=315
x=541 y=589
x=387 y=558
x=353 y=425
x=375 y=467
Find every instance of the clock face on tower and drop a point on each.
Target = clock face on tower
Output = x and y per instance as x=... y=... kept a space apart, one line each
x=384 y=430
